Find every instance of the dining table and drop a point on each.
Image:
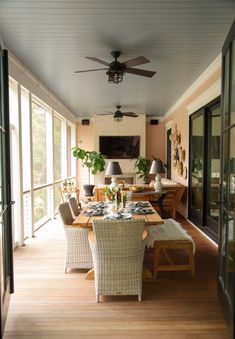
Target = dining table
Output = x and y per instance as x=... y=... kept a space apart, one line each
x=148 y=213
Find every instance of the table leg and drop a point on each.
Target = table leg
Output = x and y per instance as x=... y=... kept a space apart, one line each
x=90 y=274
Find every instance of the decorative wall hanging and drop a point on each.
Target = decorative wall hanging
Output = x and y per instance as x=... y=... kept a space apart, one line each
x=178 y=153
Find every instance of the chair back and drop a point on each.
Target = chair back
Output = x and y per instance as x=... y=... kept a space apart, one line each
x=117 y=239
x=65 y=213
x=74 y=207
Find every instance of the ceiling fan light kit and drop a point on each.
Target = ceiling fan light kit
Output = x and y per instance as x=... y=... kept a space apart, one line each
x=115 y=71
x=118 y=115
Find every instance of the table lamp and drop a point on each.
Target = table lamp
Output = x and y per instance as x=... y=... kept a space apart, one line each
x=157 y=167
x=113 y=169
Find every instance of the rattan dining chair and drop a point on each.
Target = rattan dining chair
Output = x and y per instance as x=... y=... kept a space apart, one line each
x=118 y=250
x=74 y=207
x=78 y=253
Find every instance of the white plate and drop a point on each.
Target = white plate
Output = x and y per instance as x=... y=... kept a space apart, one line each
x=126 y=215
x=115 y=216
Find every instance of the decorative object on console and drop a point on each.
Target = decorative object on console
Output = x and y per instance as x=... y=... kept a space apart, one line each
x=113 y=169
x=157 y=167
x=94 y=161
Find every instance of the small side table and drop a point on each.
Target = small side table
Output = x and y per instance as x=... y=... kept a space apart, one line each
x=66 y=193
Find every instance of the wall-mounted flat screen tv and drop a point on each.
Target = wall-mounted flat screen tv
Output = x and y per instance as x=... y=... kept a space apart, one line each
x=120 y=147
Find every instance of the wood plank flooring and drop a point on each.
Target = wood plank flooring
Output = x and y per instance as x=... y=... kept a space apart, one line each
x=49 y=304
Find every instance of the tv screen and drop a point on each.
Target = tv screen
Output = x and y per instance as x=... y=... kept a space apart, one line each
x=120 y=147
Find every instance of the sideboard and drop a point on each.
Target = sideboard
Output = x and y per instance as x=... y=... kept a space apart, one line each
x=174 y=194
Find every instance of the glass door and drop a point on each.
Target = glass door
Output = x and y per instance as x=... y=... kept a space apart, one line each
x=204 y=170
x=6 y=263
x=196 y=170
x=226 y=274
x=213 y=168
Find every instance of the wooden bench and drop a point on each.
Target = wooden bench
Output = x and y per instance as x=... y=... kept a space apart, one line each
x=171 y=236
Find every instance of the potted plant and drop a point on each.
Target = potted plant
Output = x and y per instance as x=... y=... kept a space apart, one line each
x=94 y=161
x=142 y=165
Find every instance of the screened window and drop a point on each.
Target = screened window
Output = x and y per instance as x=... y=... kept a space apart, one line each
x=39 y=145
x=57 y=148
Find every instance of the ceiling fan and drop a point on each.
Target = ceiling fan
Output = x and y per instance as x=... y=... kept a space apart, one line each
x=116 y=69
x=118 y=114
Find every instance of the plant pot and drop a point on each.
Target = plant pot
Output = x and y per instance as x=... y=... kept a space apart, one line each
x=88 y=190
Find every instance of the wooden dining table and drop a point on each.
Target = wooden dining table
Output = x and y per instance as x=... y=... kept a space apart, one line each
x=84 y=220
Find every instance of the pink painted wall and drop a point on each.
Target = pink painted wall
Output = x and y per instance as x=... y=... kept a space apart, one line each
x=155 y=141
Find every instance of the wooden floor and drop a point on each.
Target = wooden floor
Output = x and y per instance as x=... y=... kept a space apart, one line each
x=49 y=304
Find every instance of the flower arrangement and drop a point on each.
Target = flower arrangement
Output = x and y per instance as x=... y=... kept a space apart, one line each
x=115 y=196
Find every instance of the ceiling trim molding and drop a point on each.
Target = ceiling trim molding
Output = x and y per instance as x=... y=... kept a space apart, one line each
x=169 y=124
x=20 y=69
x=209 y=71
x=211 y=93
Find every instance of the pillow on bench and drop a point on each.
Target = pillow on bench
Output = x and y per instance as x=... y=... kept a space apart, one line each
x=170 y=230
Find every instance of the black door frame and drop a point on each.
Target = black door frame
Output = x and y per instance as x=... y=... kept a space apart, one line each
x=194 y=216
x=6 y=226
x=201 y=219
x=228 y=304
x=210 y=224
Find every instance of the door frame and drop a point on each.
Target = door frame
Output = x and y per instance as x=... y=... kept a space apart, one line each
x=224 y=297
x=210 y=223
x=201 y=220
x=192 y=215
x=6 y=254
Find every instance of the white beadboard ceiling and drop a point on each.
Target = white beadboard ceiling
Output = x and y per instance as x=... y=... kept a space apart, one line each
x=52 y=38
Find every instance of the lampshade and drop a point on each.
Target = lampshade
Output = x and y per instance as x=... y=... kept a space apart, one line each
x=113 y=168
x=157 y=167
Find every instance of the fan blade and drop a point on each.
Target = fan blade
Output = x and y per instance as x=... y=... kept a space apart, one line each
x=130 y=114
x=140 y=60
x=110 y=113
x=141 y=72
x=91 y=70
x=98 y=60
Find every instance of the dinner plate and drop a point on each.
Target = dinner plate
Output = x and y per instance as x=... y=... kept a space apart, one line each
x=126 y=215
x=142 y=211
x=118 y=216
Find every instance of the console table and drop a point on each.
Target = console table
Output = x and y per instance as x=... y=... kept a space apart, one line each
x=170 y=203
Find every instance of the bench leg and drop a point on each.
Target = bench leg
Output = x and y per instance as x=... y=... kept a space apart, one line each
x=191 y=262
x=174 y=212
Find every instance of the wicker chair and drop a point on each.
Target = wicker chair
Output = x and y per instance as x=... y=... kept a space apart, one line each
x=78 y=253
x=74 y=207
x=118 y=249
